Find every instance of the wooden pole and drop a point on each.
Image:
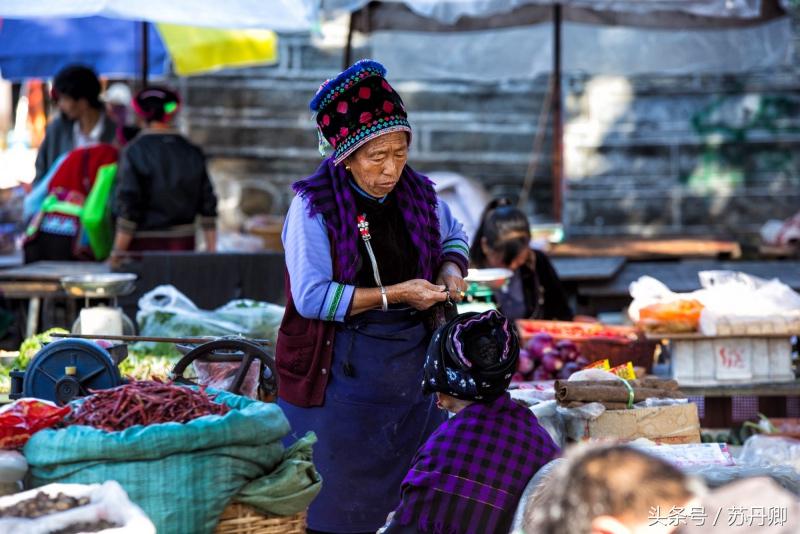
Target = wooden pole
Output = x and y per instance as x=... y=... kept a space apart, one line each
x=558 y=127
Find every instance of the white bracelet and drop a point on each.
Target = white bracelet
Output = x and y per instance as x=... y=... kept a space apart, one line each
x=385 y=306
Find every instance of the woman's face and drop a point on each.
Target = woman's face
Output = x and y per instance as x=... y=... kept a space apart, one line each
x=377 y=166
x=495 y=258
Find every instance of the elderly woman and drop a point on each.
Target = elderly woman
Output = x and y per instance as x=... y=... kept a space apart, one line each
x=370 y=249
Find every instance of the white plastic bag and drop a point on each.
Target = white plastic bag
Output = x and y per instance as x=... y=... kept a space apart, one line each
x=107 y=502
x=13 y=467
x=733 y=303
x=547 y=414
x=739 y=303
x=771 y=451
x=646 y=291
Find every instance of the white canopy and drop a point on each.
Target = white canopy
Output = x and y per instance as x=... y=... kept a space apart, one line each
x=449 y=11
x=278 y=15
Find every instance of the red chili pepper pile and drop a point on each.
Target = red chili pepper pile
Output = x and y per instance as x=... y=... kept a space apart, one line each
x=145 y=403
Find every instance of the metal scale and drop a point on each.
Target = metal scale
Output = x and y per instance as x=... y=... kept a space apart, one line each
x=482 y=285
x=105 y=317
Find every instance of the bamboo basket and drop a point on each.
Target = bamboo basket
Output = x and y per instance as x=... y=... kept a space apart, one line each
x=241 y=519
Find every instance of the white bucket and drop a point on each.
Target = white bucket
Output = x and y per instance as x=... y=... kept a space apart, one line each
x=101 y=320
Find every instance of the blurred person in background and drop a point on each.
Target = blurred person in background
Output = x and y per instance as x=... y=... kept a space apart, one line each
x=616 y=489
x=82 y=121
x=163 y=187
x=503 y=241
x=118 y=101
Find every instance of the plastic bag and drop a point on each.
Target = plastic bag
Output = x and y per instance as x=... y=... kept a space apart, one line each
x=220 y=375
x=771 y=451
x=656 y=308
x=576 y=420
x=24 y=417
x=738 y=303
x=715 y=476
x=166 y=312
x=549 y=418
x=730 y=302
x=12 y=470
x=107 y=502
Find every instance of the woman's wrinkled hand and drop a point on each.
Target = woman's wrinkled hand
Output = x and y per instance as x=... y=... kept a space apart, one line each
x=419 y=294
x=450 y=277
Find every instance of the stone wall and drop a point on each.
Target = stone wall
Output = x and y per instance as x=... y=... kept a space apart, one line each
x=653 y=156
x=684 y=155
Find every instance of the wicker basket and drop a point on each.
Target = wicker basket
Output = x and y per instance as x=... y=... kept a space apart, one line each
x=241 y=519
x=627 y=343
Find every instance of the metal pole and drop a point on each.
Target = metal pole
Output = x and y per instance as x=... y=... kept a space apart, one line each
x=186 y=340
x=348 y=49
x=145 y=57
x=558 y=127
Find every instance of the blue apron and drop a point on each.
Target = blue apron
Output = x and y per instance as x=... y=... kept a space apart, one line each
x=374 y=419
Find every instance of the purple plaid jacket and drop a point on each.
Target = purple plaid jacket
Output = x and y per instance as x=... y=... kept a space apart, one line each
x=468 y=477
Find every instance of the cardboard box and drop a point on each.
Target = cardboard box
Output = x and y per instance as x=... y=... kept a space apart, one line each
x=676 y=424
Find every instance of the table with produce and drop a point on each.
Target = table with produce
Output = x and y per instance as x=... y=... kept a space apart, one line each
x=141 y=434
x=641 y=383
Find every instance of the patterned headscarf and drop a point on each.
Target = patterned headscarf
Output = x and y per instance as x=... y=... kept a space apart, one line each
x=355 y=107
x=472 y=357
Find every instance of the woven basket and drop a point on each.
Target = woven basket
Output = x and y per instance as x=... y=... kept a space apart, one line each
x=241 y=519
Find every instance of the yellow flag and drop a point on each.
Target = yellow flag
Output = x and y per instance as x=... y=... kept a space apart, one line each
x=196 y=50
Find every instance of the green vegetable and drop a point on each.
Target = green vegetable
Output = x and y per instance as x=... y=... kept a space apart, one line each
x=147 y=366
x=31 y=346
x=764 y=425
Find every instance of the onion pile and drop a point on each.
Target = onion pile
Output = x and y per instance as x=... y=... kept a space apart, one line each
x=544 y=358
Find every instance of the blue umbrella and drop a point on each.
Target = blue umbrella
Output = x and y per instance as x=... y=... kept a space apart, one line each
x=40 y=47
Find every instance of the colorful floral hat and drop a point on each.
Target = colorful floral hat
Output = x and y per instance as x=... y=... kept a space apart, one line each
x=355 y=107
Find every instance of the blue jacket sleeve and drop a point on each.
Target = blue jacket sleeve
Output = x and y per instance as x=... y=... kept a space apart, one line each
x=315 y=293
x=455 y=247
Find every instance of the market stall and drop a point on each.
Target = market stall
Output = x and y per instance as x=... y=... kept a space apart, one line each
x=671 y=381
x=173 y=428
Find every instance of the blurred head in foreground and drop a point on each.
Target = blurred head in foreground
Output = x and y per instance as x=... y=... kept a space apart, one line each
x=609 y=490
